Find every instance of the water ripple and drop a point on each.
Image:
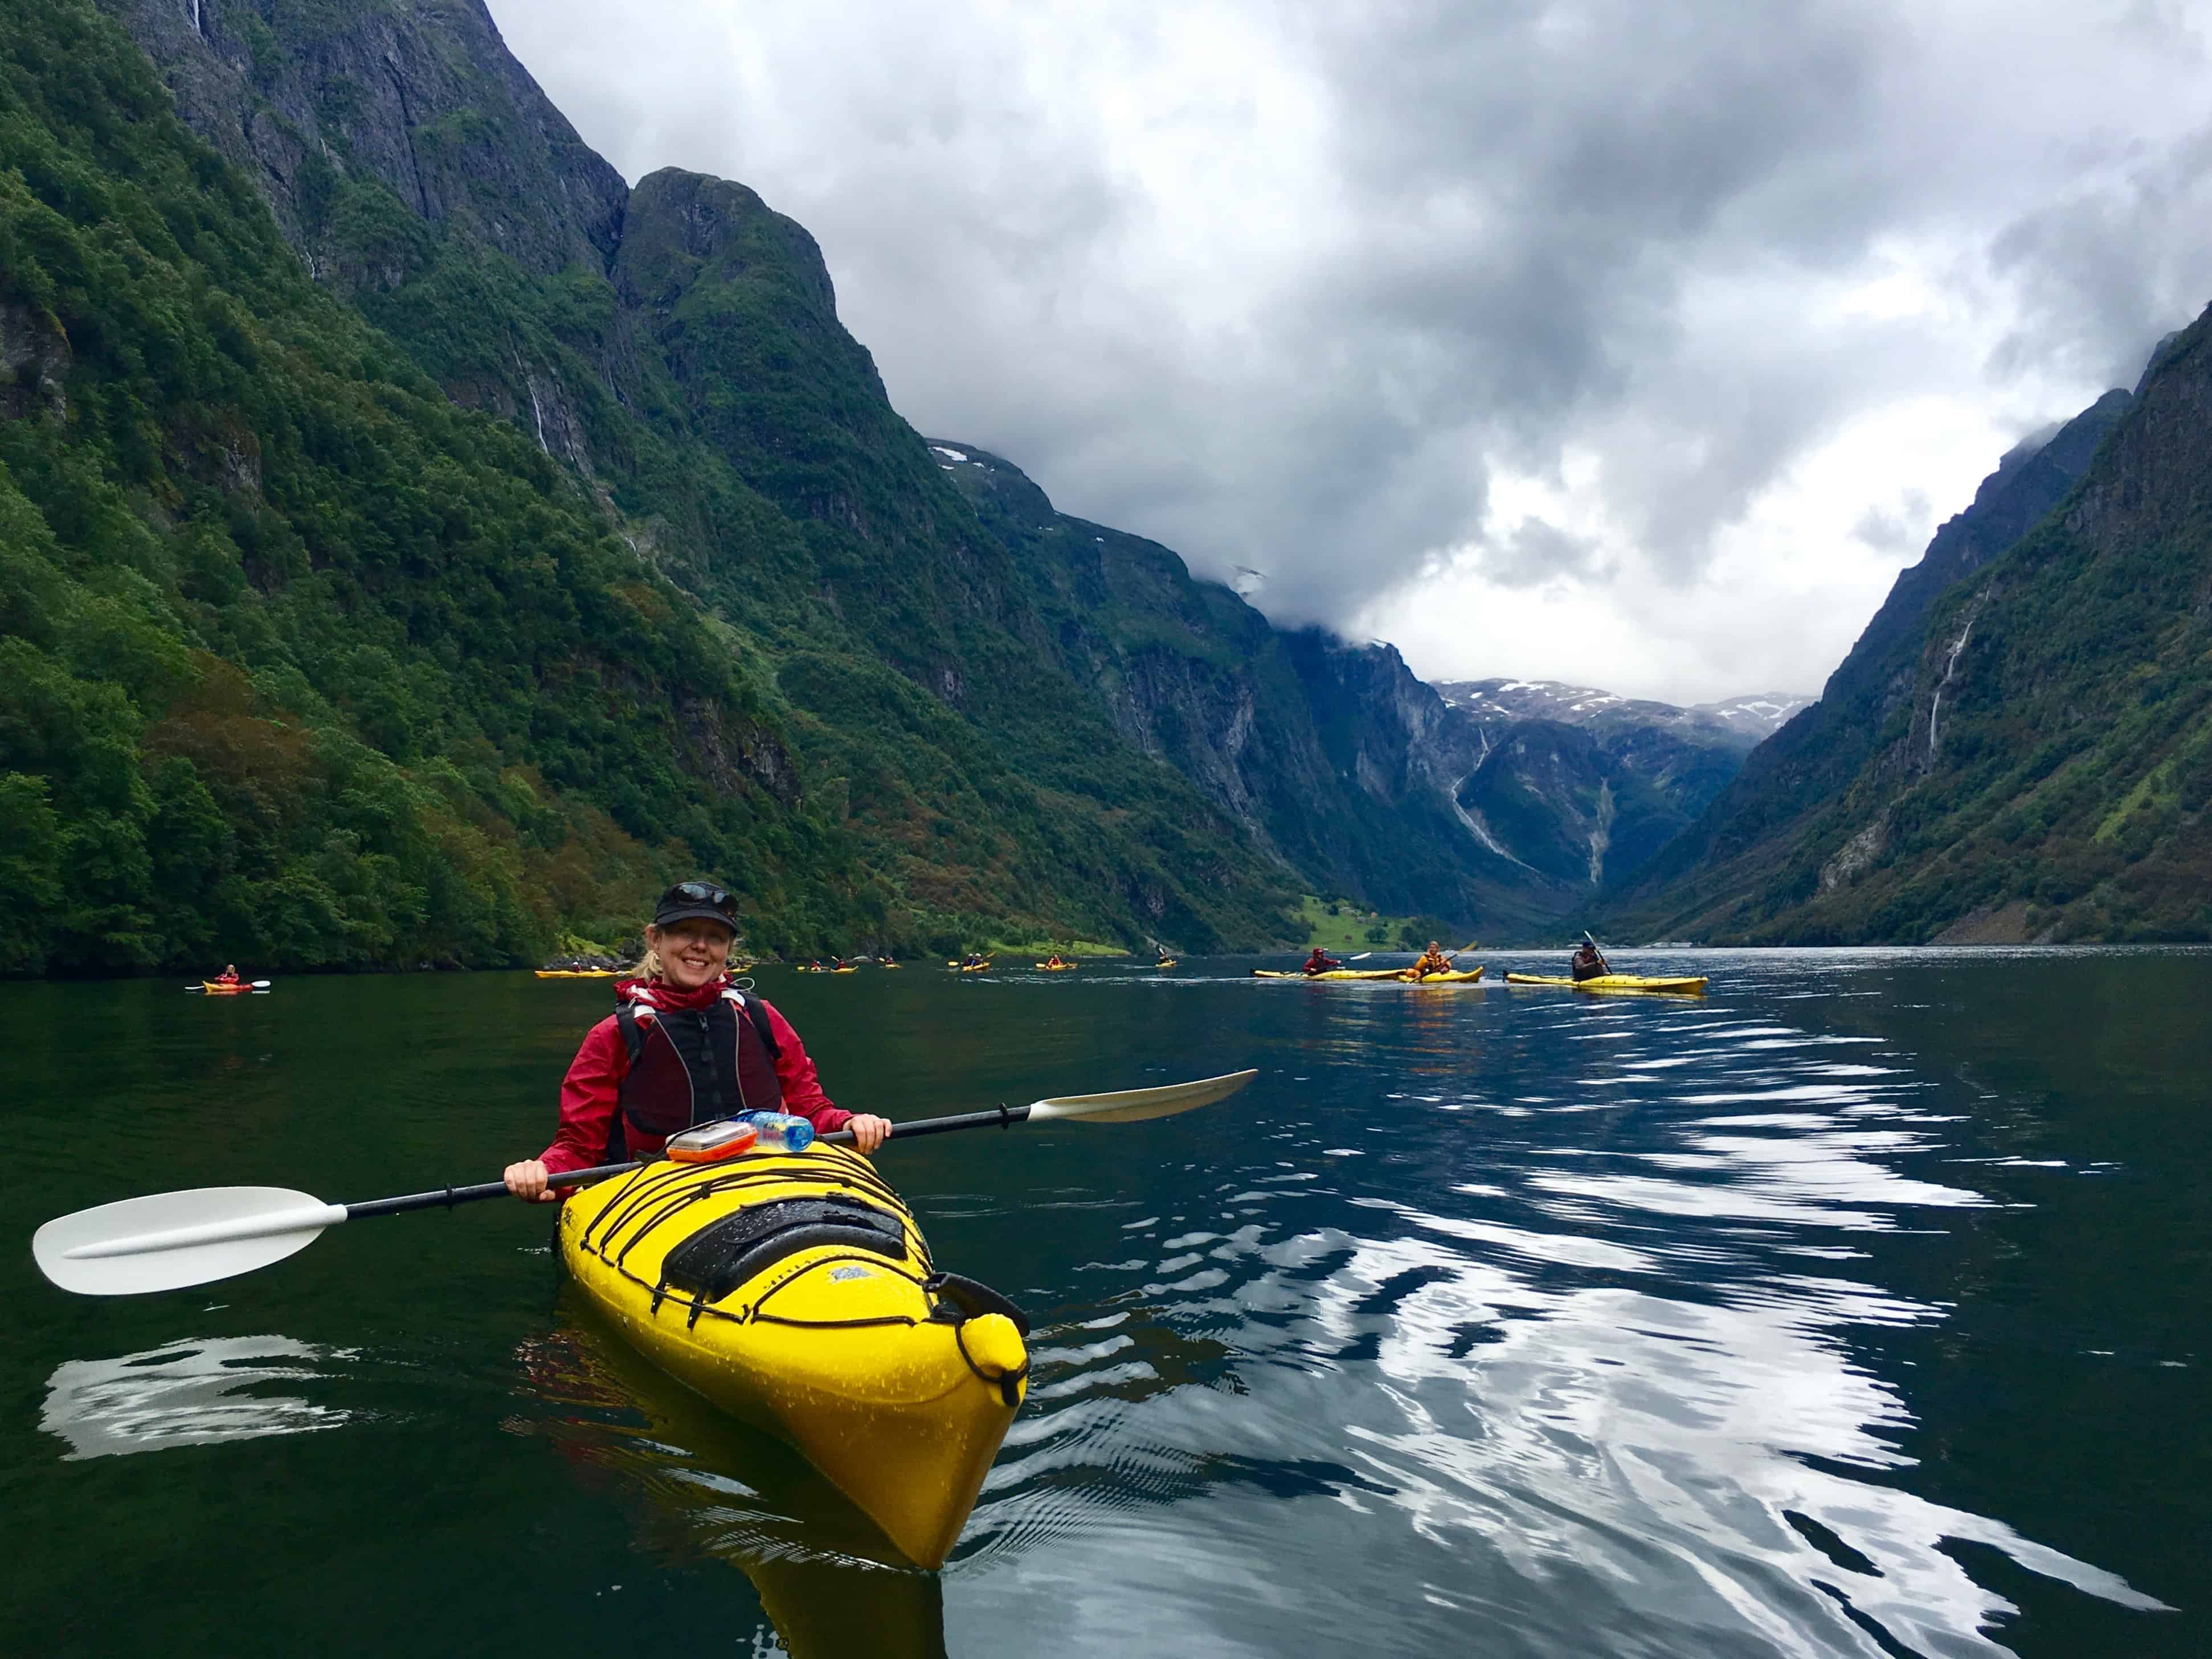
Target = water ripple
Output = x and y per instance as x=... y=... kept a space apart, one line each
x=1615 y=1385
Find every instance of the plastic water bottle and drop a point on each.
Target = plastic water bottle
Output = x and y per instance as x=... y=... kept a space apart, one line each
x=779 y=1132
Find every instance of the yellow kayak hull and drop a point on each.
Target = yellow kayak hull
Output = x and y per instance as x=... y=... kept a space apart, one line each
x=1059 y=968
x=1689 y=986
x=1170 y=962
x=578 y=973
x=1377 y=975
x=843 y=1350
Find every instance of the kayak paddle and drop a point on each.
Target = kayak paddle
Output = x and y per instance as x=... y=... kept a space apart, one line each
x=166 y=1241
x=1130 y=1106
x=1593 y=946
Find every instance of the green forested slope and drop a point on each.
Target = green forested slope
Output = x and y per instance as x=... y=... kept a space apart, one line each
x=304 y=665
x=311 y=666
x=2039 y=765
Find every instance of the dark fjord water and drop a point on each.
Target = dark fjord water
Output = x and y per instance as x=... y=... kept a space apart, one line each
x=1858 y=1309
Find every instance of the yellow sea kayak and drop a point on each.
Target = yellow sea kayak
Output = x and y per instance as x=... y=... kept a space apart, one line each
x=795 y=1291
x=577 y=973
x=1170 y=962
x=1684 y=987
x=1058 y=968
x=1377 y=975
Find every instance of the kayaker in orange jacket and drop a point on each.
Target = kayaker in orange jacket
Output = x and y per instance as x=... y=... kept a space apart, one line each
x=1320 y=961
x=630 y=1086
x=1433 y=961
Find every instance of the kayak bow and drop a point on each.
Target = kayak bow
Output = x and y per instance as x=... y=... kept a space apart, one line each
x=796 y=1292
x=1686 y=986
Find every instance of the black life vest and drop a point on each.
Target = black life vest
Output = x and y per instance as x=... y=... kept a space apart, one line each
x=691 y=1066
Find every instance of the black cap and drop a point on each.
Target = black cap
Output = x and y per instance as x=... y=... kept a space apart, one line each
x=695 y=901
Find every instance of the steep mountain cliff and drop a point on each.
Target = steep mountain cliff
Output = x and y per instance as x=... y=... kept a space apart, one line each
x=1335 y=758
x=694 y=596
x=2021 y=744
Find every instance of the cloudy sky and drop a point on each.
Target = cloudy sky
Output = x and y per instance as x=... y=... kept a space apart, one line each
x=1628 y=341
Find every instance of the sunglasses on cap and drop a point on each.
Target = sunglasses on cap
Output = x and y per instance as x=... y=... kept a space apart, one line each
x=698 y=898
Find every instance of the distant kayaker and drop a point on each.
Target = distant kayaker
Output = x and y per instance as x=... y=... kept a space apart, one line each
x=1589 y=963
x=1053 y=960
x=680 y=1018
x=1433 y=961
x=1320 y=961
x=228 y=976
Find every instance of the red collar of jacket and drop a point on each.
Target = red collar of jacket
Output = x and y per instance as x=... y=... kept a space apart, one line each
x=658 y=994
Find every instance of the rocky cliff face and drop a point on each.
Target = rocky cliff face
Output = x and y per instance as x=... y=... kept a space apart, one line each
x=2019 y=745
x=421 y=96
x=1335 y=758
x=677 y=350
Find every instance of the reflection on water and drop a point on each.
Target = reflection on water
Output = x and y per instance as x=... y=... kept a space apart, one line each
x=1599 y=1347
x=187 y=1394
x=706 y=1486
x=1856 y=1309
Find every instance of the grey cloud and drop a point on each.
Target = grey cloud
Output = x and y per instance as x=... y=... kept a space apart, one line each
x=1526 y=229
x=1900 y=529
x=2108 y=269
x=1535 y=551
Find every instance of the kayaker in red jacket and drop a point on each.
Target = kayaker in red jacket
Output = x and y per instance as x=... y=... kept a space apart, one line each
x=228 y=976
x=632 y=1083
x=1320 y=961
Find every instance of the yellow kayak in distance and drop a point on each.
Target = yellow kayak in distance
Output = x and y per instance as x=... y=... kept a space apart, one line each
x=577 y=973
x=1333 y=973
x=1687 y=986
x=1375 y=977
x=1170 y=962
x=795 y=1292
x=1058 y=968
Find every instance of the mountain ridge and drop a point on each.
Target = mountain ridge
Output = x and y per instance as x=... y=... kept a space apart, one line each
x=2017 y=747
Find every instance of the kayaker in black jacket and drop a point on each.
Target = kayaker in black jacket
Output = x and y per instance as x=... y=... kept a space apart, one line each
x=1588 y=963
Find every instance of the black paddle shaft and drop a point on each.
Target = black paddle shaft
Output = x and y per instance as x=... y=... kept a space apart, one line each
x=1003 y=1117
x=445 y=1197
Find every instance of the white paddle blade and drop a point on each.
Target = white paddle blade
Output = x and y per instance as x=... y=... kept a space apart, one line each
x=1135 y=1105
x=166 y=1241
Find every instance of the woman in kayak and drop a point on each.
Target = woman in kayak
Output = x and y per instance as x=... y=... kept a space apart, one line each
x=1433 y=961
x=1320 y=961
x=228 y=976
x=683 y=1046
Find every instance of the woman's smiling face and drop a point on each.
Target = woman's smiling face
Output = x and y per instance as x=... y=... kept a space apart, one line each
x=691 y=952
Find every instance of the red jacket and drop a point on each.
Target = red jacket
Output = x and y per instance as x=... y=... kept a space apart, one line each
x=588 y=1094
